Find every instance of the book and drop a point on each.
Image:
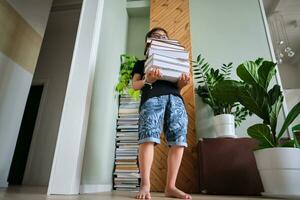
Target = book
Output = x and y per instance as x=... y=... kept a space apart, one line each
x=163 y=48
x=126 y=186
x=126 y=157
x=129 y=118
x=128 y=110
x=168 y=52
x=163 y=40
x=127 y=175
x=168 y=59
x=119 y=122
x=165 y=66
x=125 y=163
x=166 y=44
x=127 y=126
x=127 y=115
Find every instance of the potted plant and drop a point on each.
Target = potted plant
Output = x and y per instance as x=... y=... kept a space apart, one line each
x=226 y=115
x=278 y=154
x=124 y=86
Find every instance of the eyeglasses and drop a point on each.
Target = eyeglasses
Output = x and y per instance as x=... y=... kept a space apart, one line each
x=158 y=36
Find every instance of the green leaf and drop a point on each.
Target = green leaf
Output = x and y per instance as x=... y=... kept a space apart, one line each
x=199 y=58
x=275 y=109
x=274 y=94
x=227 y=91
x=205 y=68
x=259 y=61
x=255 y=99
x=262 y=133
x=289 y=119
x=240 y=114
x=127 y=64
x=248 y=72
x=266 y=72
x=226 y=69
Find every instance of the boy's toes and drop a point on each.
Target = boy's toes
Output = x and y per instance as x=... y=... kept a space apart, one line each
x=144 y=193
x=148 y=196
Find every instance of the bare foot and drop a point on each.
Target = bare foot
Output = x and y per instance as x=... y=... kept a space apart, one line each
x=144 y=193
x=176 y=193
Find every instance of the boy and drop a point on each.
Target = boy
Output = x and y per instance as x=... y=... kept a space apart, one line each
x=161 y=108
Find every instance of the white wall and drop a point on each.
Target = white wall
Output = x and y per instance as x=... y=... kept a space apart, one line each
x=100 y=144
x=15 y=83
x=53 y=68
x=137 y=29
x=223 y=32
x=13 y=77
x=35 y=12
x=289 y=73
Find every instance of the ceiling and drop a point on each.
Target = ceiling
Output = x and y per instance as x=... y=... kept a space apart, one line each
x=66 y=2
x=138 y=8
x=63 y=5
x=290 y=10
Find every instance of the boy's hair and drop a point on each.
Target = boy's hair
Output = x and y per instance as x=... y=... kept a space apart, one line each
x=148 y=35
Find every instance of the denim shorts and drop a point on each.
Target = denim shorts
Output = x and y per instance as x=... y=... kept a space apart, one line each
x=167 y=113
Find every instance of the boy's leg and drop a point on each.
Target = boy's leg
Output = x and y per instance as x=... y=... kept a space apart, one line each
x=146 y=151
x=174 y=160
x=150 y=127
x=175 y=127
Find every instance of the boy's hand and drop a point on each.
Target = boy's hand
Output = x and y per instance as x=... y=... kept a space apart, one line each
x=183 y=80
x=153 y=75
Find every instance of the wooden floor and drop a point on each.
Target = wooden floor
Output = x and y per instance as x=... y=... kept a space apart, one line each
x=38 y=193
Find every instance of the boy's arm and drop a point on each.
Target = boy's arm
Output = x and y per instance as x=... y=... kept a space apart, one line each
x=149 y=78
x=137 y=82
x=184 y=79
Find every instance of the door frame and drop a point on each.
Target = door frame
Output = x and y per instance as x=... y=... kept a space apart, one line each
x=67 y=163
x=273 y=57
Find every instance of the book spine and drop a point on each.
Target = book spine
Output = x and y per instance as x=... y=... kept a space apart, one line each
x=167 y=66
x=126 y=172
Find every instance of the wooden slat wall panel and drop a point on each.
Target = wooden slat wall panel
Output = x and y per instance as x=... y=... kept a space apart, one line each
x=173 y=15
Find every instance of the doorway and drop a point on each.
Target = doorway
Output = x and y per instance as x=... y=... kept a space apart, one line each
x=18 y=165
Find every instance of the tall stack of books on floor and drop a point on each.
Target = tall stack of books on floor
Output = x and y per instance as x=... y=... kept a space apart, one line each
x=126 y=174
x=169 y=56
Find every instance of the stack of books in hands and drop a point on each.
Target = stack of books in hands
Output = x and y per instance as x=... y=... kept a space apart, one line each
x=168 y=56
x=126 y=173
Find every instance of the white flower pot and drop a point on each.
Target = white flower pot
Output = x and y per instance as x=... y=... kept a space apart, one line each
x=279 y=169
x=224 y=125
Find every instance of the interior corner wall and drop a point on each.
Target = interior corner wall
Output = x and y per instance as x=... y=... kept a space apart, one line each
x=137 y=29
x=52 y=70
x=100 y=142
x=19 y=49
x=33 y=11
x=223 y=32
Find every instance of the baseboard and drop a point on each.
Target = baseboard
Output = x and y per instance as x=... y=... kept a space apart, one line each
x=89 y=188
x=3 y=184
